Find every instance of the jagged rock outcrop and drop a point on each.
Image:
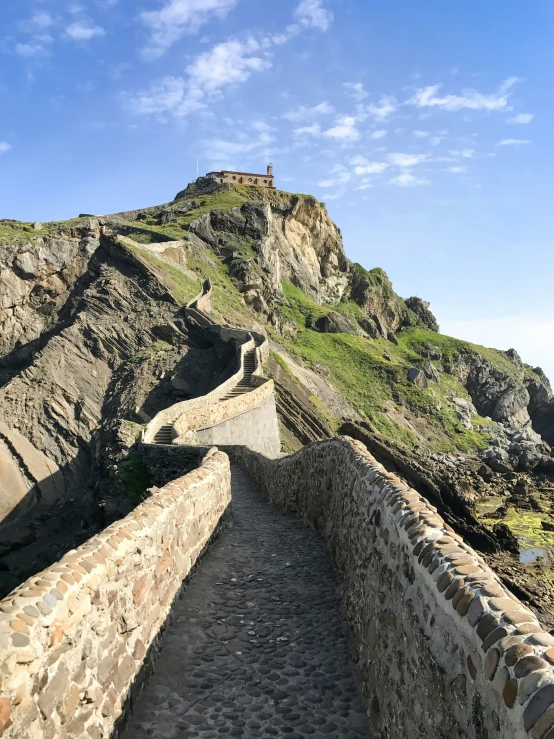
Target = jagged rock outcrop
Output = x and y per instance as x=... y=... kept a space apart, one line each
x=422 y=310
x=293 y=240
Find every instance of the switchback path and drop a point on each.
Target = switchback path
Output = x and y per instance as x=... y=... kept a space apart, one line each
x=257 y=648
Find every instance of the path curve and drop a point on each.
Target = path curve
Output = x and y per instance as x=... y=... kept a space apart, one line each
x=257 y=648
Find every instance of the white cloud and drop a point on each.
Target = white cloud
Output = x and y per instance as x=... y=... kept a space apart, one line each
x=365 y=167
x=526 y=333
x=380 y=134
x=356 y=90
x=312 y=14
x=178 y=17
x=513 y=142
x=422 y=134
x=345 y=130
x=4 y=147
x=29 y=50
x=226 y=64
x=522 y=118
x=456 y=170
x=305 y=114
x=341 y=177
x=313 y=130
x=385 y=107
x=465 y=153
x=408 y=180
x=406 y=160
x=427 y=97
x=230 y=154
x=166 y=96
x=84 y=31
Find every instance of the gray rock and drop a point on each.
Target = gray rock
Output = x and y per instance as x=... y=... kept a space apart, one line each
x=417 y=376
x=421 y=309
x=336 y=323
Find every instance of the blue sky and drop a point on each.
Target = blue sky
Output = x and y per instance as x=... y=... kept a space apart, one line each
x=426 y=127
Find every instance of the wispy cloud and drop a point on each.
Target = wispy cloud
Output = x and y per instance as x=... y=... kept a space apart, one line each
x=5 y=147
x=464 y=153
x=313 y=130
x=312 y=14
x=356 y=90
x=83 y=31
x=386 y=106
x=408 y=180
x=230 y=153
x=178 y=17
x=379 y=134
x=456 y=170
x=340 y=177
x=427 y=97
x=406 y=160
x=365 y=167
x=225 y=64
x=422 y=134
x=345 y=129
x=513 y=142
x=306 y=114
x=522 y=118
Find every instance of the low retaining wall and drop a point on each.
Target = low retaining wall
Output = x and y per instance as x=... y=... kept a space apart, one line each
x=74 y=638
x=444 y=650
x=257 y=427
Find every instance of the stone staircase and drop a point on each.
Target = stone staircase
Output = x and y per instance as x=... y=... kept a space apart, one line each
x=245 y=385
x=164 y=435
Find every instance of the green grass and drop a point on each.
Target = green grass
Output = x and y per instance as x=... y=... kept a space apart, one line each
x=17 y=233
x=136 y=478
x=374 y=385
x=183 y=287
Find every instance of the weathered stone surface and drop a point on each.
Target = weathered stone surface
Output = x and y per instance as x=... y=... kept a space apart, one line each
x=527 y=665
x=491 y=663
x=516 y=652
x=538 y=704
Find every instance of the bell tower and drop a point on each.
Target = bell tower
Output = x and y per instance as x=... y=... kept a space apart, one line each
x=270 y=170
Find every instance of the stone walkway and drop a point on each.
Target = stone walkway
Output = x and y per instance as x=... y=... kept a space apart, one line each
x=257 y=648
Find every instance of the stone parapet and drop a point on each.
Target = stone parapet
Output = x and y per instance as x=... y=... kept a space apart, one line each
x=444 y=649
x=74 y=638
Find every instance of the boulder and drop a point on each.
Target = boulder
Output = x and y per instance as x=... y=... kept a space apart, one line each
x=431 y=372
x=417 y=377
x=513 y=406
x=336 y=323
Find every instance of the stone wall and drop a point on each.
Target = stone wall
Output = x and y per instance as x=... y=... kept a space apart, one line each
x=257 y=427
x=444 y=650
x=74 y=638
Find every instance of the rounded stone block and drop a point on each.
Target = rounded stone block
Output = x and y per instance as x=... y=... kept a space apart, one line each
x=530 y=684
x=517 y=617
x=529 y=664
x=493 y=637
x=463 y=606
x=510 y=693
x=471 y=667
x=500 y=679
x=487 y=624
x=517 y=652
x=537 y=705
x=459 y=595
x=491 y=663
x=453 y=588
x=476 y=610
x=444 y=581
x=542 y=639
x=544 y=725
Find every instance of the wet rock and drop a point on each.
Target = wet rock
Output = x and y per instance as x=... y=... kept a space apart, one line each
x=507 y=538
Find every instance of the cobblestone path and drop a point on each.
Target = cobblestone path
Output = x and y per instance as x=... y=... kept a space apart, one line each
x=257 y=648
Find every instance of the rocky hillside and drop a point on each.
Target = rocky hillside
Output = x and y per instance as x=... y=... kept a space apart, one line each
x=92 y=344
